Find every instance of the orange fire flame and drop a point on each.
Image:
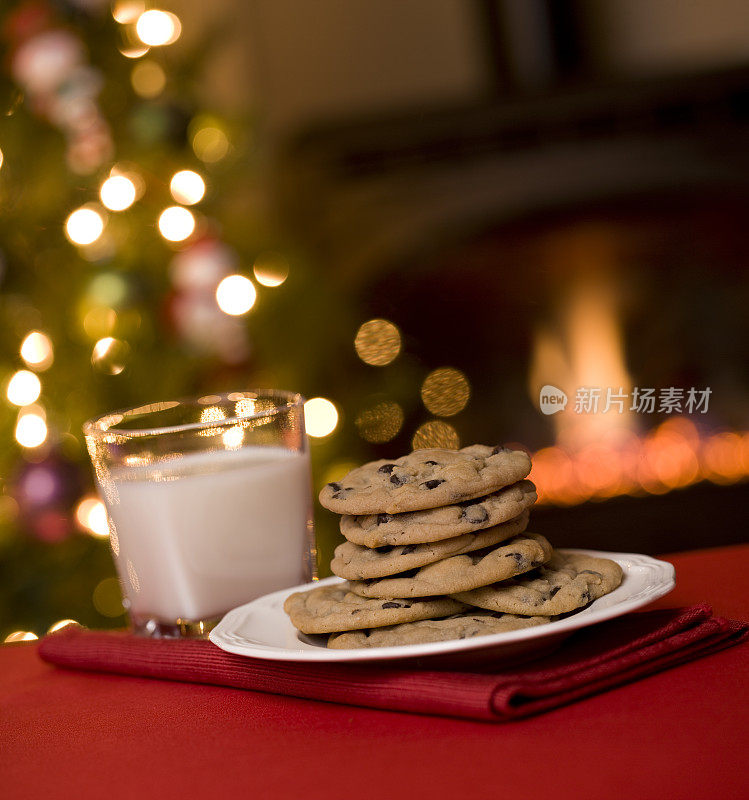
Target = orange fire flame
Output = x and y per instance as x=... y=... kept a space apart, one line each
x=600 y=455
x=670 y=457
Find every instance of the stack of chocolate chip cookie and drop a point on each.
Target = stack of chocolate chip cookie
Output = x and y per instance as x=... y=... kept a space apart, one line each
x=437 y=549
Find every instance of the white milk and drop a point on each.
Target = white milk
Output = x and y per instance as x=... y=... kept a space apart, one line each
x=202 y=534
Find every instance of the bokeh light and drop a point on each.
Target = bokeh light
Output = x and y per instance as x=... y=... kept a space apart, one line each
x=107 y=598
x=436 y=433
x=108 y=289
x=236 y=295
x=31 y=428
x=84 y=226
x=176 y=223
x=24 y=388
x=377 y=342
x=127 y=11
x=2 y=158
x=117 y=193
x=110 y=355
x=148 y=79
x=233 y=437
x=244 y=407
x=129 y=171
x=157 y=28
x=92 y=517
x=37 y=351
x=137 y=51
x=212 y=414
x=210 y=144
x=320 y=417
x=271 y=269
x=187 y=187
x=99 y=322
x=445 y=391
x=381 y=422
x=63 y=623
x=20 y=636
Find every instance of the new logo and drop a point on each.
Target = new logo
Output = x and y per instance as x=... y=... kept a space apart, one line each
x=551 y=399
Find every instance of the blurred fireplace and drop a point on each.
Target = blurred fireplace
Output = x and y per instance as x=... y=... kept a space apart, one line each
x=591 y=238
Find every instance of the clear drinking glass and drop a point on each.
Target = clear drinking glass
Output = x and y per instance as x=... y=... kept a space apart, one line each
x=209 y=502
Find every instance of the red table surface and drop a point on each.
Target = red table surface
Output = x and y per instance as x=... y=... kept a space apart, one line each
x=679 y=734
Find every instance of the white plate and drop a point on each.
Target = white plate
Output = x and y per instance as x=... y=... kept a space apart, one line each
x=261 y=629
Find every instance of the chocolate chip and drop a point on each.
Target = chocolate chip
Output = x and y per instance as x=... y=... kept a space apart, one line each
x=391 y=604
x=591 y=572
x=408 y=549
x=433 y=484
x=386 y=469
x=517 y=556
x=386 y=548
x=383 y=518
x=500 y=449
x=553 y=591
x=475 y=514
x=336 y=487
x=585 y=596
x=356 y=611
x=432 y=463
x=397 y=480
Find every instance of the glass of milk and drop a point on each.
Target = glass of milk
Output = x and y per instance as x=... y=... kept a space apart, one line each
x=209 y=504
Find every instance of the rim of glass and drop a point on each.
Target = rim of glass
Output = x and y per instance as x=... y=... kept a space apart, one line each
x=106 y=423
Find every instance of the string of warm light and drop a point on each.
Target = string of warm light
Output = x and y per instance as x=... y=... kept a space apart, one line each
x=84 y=226
x=236 y=295
x=20 y=636
x=31 y=427
x=24 y=388
x=37 y=351
x=187 y=187
x=176 y=223
x=92 y=517
x=320 y=417
x=117 y=193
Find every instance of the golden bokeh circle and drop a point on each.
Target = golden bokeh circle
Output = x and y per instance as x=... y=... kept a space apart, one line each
x=436 y=433
x=107 y=598
x=271 y=269
x=110 y=355
x=445 y=391
x=381 y=422
x=378 y=342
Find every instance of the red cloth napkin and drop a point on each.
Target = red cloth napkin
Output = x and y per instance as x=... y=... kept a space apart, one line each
x=591 y=660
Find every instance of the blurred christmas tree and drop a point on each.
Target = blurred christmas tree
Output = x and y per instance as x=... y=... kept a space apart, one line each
x=134 y=240
x=113 y=185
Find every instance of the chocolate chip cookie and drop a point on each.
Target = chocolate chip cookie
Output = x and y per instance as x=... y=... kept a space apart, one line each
x=325 y=609
x=356 y=562
x=435 y=524
x=460 y=626
x=425 y=479
x=568 y=581
x=464 y=572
